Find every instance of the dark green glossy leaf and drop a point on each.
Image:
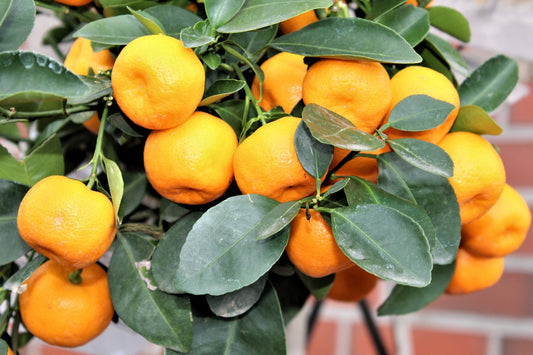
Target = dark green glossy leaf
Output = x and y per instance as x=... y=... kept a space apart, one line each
x=277 y=218
x=360 y=191
x=219 y=257
x=172 y=18
x=45 y=160
x=254 y=43
x=148 y=21
x=448 y=53
x=359 y=39
x=134 y=189
x=424 y=155
x=370 y=234
x=13 y=246
x=419 y=113
x=32 y=77
x=16 y=24
x=434 y=60
x=292 y=294
x=3 y=347
x=219 y=12
x=116 y=30
x=98 y=87
x=330 y=128
x=118 y=121
x=474 y=119
x=319 y=287
x=255 y=14
x=379 y=8
x=433 y=193
x=406 y=299
x=412 y=23
x=18 y=278
x=165 y=319
x=166 y=258
x=221 y=89
x=259 y=331
x=338 y=186
x=198 y=35
x=231 y=111
x=235 y=303
x=490 y=84
x=314 y=156
x=450 y=21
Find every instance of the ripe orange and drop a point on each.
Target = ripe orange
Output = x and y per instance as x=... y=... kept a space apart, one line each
x=193 y=162
x=80 y=58
x=9 y=351
x=357 y=90
x=415 y=3
x=63 y=220
x=312 y=247
x=62 y=313
x=417 y=80
x=266 y=163
x=502 y=229
x=284 y=73
x=157 y=82
x=363 y=167
x=298 y=22
x=352 y=284
x=474 y=273
x=479 y=175
x=74 y=2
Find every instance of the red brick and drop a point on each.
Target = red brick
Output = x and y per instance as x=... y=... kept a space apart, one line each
x=323 y=338
x=517 y=346
x=362 y=342
x=435 y=342
x=522 y=111
x=518 y=161
x=511 y=296
x=53 y=350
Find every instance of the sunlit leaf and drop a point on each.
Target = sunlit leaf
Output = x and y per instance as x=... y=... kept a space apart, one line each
x=474 y=119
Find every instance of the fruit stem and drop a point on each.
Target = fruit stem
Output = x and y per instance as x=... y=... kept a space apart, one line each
x=346 y=159
x=97 y=157
x=75 y=277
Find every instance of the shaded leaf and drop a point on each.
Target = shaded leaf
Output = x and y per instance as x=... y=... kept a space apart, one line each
x=450 y=21
x=220 y=89
x=314 y=156
x=359 y=39
x=292 y=294
x=220 y=12
x=231 y=111
x=319 y=287
x=134 y=189
x=419 y=113
x=18 y=278
x=254 y=43
x=172 y=18
x=412 y=23
x=448 y=53
x=474 y=119
x=13 y=246
x=277 y=218
x=16 y=23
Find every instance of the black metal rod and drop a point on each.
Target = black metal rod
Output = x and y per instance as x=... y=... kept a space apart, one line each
x=372 y=328
x=313 y=316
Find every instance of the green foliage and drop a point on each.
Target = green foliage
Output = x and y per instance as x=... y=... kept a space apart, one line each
x=202 y=278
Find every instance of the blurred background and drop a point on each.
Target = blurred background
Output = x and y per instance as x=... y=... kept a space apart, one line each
x=495 y=321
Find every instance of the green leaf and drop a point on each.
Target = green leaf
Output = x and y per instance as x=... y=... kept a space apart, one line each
x=254 y=43
x=148 y=21
x=314 y=156
x=116 y=30
x=490 y=84
x=412 y=23
x=3 y=347
x=198 y=35
x=233 y=304
x=448 y=53
x=220 y=257
x=277 y=218
x=419 y=113
x=220 y=89
x=231 y=111
x=166 y=258
x=31 y=77
x=160 y=317
x=16 y=23
x=359 y=39
x=338 y=186
x=98 y=88
x=260 y=331
x=330 y=128
x=319 y=287
x=370 y=234
x=406 y=299
x=434 y=60
x=379 y=7
x=219 y=12
x=431 y=192
x=172 y=18
x=292 y=293
x=255 y=14
x=18 y=278
x=474 y=119
x=116 y=184
x=45 y=160
x=450 y=21
x=134 y=189
x=360 y=191
x=13 y=246
x=424 y=155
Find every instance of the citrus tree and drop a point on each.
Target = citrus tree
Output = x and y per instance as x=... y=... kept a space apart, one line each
x=237 y=190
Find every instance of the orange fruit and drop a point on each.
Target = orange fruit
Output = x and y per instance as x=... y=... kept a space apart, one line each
x=360 y=91
x=62 y=313
x=284 y=73
x=417 y=80
x=157 y=82
x=363 y=167
x=502 y=229
x=266 y=163
x=474 y=273
x=74 y=2
x=9 y=351
x=415 y=3
x=312 y=247
x=298 y=22
x=352 y=284
x=80 y=58
x=193 y=162
x=478 y=173
x=63 y=220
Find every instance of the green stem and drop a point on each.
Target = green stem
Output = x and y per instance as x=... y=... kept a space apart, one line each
x=60 y=112
x=346 y=159
x=75 y=277
x=249 y=94
x=95 y=161
x=62 y=9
